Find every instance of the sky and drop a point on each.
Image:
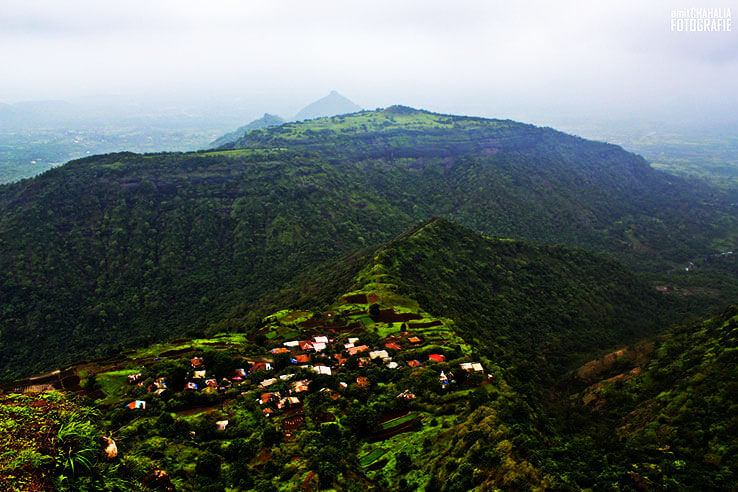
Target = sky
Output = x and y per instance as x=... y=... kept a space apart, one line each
x=524 y=59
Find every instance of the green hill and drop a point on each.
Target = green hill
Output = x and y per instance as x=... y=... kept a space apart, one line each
x=515 y=180
x=437 y=347
x=264 y=122
x=525 y=303
x=122 y=249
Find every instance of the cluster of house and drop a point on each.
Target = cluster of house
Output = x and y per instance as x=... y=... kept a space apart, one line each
x=343 y=350
x=302 y=353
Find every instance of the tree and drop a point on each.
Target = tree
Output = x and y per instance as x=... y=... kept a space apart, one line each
x=402 y=462
x=271 y=435
x=208 y=464
x=91 y=383
x=374 y=310
x=363 y=419
x=327 y=473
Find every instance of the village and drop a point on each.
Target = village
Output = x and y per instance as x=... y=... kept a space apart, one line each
x=372 y=381
x=284 y=378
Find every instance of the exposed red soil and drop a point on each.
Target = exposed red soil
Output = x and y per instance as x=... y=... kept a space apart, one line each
x=38 y=432
x=323 y=417
x=356 y=299
x=307 y=484
x=393 y=431
x=293 y=423
x=591 y=395
x=70 y=382
x=592 y=370
x=390 y=316
x=387 y=416
x=378 y=465
x=140 y=360
x=345 y=328
x=262 y=457
x=295 y=410
x=313 y=323
x=427 y=324
x=170 y=353
x=196 y=410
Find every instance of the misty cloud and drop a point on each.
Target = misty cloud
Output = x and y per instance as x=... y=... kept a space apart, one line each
x=480 y=57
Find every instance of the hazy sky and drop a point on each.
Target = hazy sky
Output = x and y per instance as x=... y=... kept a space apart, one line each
x=475 y=57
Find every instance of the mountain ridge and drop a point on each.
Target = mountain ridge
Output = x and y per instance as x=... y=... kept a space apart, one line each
x=152 y=245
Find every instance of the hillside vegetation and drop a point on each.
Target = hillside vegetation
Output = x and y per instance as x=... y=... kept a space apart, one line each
x=529 y=304
x=666 y=422
x=437 y=361
x=121 y=249
x=50 y=442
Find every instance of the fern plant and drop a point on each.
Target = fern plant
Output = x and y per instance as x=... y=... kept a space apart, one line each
x=78 y=446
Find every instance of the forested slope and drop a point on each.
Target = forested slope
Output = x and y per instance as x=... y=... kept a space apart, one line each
x=535 y=306
x=668 y=422
x=125 y=248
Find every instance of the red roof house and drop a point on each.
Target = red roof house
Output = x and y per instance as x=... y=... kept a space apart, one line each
x=358 y=350
x=262 y=366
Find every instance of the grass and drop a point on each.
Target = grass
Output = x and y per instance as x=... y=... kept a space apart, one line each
x=377 y=121
x=240 y=152
x=386 y=329
x=373 y=456
x=114 y=383
x=196 y=343
x=408 y=442
x=398 y=421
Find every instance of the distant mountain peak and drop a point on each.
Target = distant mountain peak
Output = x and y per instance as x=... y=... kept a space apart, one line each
x=264 y=122
x=330 y=105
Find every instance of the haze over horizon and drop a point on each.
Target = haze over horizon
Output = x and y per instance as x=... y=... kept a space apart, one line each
x=531 y=62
